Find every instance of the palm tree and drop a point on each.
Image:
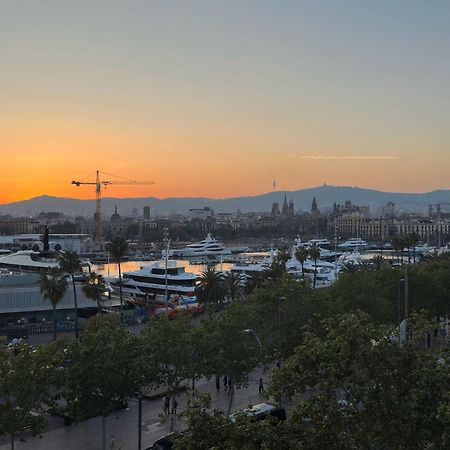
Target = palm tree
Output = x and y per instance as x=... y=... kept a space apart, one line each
x=302 y=254
x=350 y=267
x=71 y=264
x=283 y=256
x=94 y=288
x=117 y=248
x=314 y=253
x=378 y=261
x=234 y=283
x=414 y=239
x=256 y=280
x=397 y=245
x=210 y=287
x=53 y=286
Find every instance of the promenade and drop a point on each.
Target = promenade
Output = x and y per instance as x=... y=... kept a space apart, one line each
x=121 y=426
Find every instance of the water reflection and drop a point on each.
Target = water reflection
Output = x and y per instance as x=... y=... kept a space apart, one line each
x=112 y=270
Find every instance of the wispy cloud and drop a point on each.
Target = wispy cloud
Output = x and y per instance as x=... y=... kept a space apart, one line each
x=332 y=157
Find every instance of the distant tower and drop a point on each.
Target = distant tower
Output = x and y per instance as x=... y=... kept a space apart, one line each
x=291 y=208
x=146 y=212
x=285 y=208
x=314 y=209
x=274 y=184
x=275 y=209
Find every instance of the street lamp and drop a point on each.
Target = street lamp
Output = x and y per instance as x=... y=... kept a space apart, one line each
x=280 y=301
x=253 y=334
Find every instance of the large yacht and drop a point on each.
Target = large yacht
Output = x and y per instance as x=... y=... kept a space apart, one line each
x=353 y=244
x=31 y=261
x=28 y=261
x=207 y=247
x=150 y=282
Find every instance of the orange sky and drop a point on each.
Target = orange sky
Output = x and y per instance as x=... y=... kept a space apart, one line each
x=215 y=99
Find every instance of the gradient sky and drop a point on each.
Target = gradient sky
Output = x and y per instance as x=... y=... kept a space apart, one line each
x=215 y=98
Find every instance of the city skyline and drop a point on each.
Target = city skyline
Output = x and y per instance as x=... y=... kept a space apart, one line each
x=214 y=99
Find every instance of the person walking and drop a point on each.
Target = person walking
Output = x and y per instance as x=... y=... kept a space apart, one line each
x=261 y=386
x=230 y=385
x=166 y=405
x=174 y=406
x=217 y=383
x=225 y=383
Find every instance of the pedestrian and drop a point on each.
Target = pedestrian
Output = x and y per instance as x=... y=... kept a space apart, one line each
x=166 y=405
x=230 y=384
x=174 y=405
x=225 y=383
x=261 y=386
x=217 y=383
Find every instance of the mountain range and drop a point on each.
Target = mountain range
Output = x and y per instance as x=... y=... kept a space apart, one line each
x=325 y=195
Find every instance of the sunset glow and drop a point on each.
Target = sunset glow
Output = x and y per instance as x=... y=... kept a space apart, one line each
x=216 y=99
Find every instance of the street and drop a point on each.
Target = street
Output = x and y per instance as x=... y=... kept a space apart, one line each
x=121 y=426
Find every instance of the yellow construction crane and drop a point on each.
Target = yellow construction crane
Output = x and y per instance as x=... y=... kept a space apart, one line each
x=98 y=198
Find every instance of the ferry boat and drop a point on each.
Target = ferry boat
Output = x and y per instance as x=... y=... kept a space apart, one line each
x=208 y=247
x=149 y=282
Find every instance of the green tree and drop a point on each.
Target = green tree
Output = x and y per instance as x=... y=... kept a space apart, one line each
x=283 y=256
x=358 y=382
x=234 y=284
x=53 y=286
x=210 y=430
x=26 y=375
x=210 y=289
x=378 y=261
x=398 y=246
x=175 y=352
x=118 y=248
x=70 y=263
x=414 y=240
x=301 y=255
x=314 y=253
x=103 y=372
x=94 y=288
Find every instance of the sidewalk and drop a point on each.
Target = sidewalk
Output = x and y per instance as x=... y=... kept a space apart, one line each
x=121 y=426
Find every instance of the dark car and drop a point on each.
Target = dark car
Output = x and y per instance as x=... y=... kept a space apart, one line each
x=260 y=411
x=168 y=441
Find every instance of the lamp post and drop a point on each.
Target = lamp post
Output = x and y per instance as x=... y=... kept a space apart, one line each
x=140 y=420
x=166 y=256
x=280 y=301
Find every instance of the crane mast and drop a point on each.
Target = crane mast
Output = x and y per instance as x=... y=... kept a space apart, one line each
x=98 y=200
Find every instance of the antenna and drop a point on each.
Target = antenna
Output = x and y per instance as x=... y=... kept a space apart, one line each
x=274 y=184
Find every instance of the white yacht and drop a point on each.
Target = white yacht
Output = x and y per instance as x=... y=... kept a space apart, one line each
x=28 y=261
x=248 y=269
x=208 y=247
x=150 y=282
x=353 y=244
x=318 y=242
x=31 y=261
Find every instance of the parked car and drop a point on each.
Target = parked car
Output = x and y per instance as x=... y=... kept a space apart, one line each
x=260 y=411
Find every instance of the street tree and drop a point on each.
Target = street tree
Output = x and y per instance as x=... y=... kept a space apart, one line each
x=211 y=288
x=70 y=263
x=234 y=284
x=350 y=384
x=314 y=253
x=301 y=254
x=53 y=286
x=94 y=288
x=174 y=354
x=103 y=372
x=118 y=248
x=26 y=376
